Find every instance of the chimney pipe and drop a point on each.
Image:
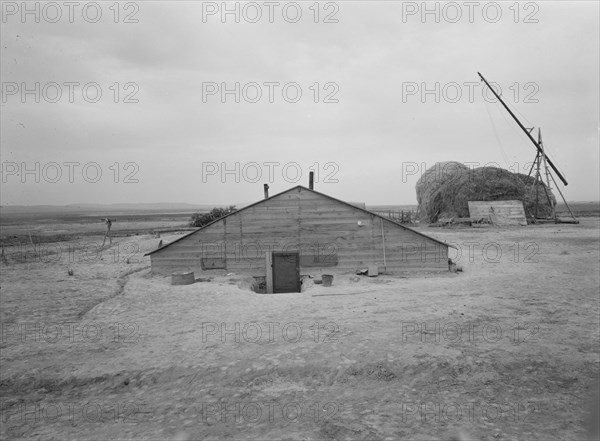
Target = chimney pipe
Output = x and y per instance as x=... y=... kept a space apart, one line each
x=311 y=180
x=266 y=188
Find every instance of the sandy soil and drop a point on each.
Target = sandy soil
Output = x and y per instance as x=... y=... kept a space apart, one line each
x=506 y=350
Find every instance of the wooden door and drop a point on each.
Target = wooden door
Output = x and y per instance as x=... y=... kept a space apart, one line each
x=286 y=272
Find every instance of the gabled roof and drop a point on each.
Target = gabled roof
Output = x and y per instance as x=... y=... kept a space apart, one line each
x=354 y=207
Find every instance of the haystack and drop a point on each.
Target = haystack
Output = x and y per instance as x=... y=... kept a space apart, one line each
x=444 y=190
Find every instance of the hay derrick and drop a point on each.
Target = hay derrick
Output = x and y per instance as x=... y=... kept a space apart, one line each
x=444 y=190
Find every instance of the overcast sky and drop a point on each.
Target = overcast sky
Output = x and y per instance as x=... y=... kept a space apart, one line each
x=172 y=132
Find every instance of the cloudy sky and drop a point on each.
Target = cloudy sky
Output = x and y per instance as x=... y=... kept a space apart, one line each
x=184 y=102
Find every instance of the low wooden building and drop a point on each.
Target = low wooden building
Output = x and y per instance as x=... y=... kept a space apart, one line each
x=296 y=233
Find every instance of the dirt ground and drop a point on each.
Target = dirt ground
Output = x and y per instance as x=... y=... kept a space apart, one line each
x=506 y=350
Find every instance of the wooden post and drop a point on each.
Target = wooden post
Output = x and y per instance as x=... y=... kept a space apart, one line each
x=33 y=245
x=383 y=246
x=266 y=189
x=565 y=201
x=537 y=198
x=311 y=180
x=547 y=188
x=269 y=271
x=108 y=223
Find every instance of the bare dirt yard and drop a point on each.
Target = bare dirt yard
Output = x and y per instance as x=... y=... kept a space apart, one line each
x=506 y=350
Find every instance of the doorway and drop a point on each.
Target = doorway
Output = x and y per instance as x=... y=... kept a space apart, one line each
x=286 y=272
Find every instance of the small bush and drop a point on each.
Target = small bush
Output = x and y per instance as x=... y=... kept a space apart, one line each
x=201 y=219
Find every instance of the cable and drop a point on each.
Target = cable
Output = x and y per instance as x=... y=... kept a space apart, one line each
x=502 y=151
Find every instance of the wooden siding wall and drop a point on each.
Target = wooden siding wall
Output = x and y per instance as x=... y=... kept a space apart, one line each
x=307 y=222
x=500 y=212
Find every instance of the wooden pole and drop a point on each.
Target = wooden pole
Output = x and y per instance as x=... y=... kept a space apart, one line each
x=108 y=223
x=383 y=246
x=565 y=201
x=537 y=188
x=33 y=245
x=533 y=164
x=537 y=146
x=546 y=189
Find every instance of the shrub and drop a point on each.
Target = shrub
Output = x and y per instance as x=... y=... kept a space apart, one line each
x=200 y=219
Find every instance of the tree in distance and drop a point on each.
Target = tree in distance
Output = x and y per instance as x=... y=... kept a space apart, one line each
x=200 y=219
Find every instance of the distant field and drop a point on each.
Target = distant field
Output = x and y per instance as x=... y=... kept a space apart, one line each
x=392 y=207
x=50 y=227
x=89 y=217
x=64 y=224
x=581 y=208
